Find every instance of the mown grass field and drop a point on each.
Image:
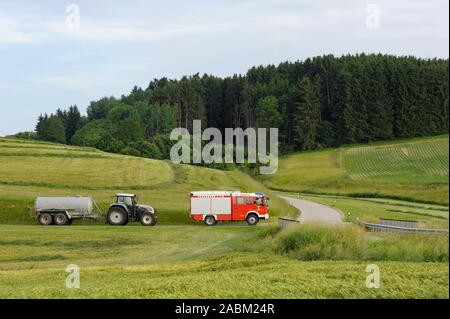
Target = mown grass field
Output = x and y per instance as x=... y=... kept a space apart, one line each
x=414 y=169
x=192 y=262
x=31 y=169
x=181 y=259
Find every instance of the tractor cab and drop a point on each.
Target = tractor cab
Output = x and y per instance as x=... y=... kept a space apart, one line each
x=129 y=200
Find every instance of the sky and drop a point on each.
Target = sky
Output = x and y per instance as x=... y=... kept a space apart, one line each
x=54 y=54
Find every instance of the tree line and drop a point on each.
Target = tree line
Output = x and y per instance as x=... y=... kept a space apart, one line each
x=320 y=102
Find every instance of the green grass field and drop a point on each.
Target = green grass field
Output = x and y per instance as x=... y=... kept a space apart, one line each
x=43 y=169
x=192 y=262
x=414 y=169
x=181 y=259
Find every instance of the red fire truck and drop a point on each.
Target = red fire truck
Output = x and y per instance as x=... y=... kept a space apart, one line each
x=214 y=206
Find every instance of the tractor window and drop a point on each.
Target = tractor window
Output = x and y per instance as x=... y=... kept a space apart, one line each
x=239 y=200
x=248 y=200
x=128 y=201
x=125 y=200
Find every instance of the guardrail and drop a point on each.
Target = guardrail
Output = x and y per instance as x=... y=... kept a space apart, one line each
x=286 y=222
x=400 y=229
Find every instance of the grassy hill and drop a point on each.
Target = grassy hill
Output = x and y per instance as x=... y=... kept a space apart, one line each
x=414 y=169
x=181 y=259
x=31 y=169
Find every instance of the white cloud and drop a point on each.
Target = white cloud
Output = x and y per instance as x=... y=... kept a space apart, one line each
x=115 y=32
x=11 y=32
x=20 y=32
x=337 y=18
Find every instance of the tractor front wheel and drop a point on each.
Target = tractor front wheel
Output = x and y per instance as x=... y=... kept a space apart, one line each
x=117 y=217
x=147 y=219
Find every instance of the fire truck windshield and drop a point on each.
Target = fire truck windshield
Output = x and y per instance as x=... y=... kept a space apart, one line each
x=261 y=201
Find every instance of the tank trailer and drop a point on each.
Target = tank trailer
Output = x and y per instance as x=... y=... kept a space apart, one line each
x=64 y=210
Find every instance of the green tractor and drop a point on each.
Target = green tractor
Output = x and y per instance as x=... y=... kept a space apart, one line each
x=127 y=209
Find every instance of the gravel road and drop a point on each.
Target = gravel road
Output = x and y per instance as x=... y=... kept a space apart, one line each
x=314 y=212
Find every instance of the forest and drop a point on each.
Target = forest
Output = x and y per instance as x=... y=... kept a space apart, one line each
x=320 y=102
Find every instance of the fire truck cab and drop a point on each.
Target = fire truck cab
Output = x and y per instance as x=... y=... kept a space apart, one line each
x=214 y=206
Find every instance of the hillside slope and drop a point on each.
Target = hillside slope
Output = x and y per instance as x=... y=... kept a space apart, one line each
x=415 y=169
x=31 y=169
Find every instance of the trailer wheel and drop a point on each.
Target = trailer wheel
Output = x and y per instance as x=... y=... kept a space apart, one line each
x=45 y=219
x=210 y=220
x=252 y=219
x=147 y=219
x=61 y=219
x=117 y=217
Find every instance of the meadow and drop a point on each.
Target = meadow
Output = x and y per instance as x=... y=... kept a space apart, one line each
x=193 y=262
x=181 y=259
x=412 y=169
x=43 y=169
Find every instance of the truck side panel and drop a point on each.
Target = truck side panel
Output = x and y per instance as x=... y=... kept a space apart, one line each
x=221 y=206
x=200 y=205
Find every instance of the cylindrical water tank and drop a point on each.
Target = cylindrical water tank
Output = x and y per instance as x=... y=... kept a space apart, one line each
x=75 y=204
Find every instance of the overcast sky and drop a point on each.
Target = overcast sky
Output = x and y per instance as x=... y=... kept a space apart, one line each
x=48 y=60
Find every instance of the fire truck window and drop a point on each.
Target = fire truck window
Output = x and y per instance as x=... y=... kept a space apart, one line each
x=258 y=201
x=248 y=200
x=240 y=200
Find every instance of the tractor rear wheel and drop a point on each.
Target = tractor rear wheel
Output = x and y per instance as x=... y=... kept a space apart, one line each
x=45 y=219
x=61 y=219
x=117 y=217
x=210 y=220
x=252 y=219
x=147 y=219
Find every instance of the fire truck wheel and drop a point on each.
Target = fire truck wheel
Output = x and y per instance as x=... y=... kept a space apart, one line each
x=210 y=220
x=61 y=219
x=45 y=219
x=252 y=219
x=147 y=219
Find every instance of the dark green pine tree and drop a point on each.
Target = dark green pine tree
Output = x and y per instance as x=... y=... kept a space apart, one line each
x=213 y=100
x=444 y=103
x=307 y=116
x=347 y=131
x=267 y=114
x=40 y=125
x=52 y=129
x=72 y=122
x=404 y=116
